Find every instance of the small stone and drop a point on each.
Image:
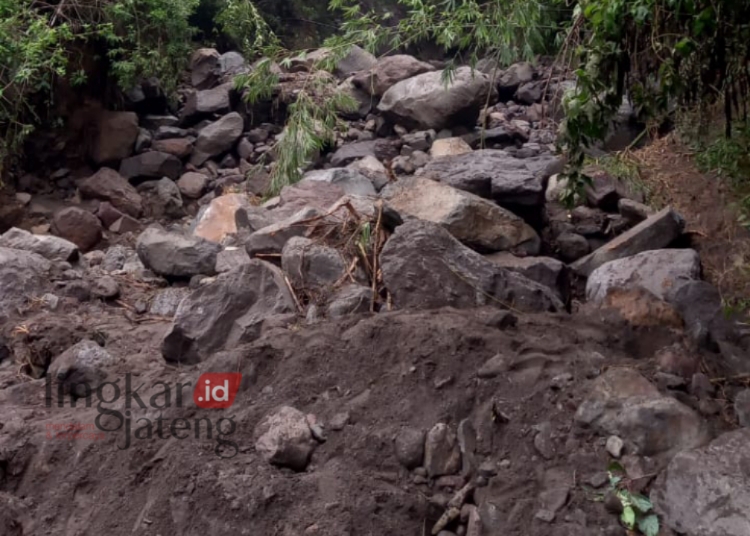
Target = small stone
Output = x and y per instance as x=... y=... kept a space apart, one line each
x=615 y=446
x=51 y=301
x=105 y=288
x=318 y=433
x=441 y=452
x=410 y=447
x=339 y=420
x=545 y=515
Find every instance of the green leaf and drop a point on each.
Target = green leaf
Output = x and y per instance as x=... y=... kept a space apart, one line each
x=641 y=503
x=649 y=525
x=628 y=517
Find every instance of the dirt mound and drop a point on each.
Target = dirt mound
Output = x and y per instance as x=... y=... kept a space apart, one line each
x=364 y=379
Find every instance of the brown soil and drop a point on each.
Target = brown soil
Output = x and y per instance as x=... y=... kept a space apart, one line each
x=386 y=371
x=706 y=202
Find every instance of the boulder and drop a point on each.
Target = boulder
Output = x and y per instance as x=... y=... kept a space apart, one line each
x=115 y=137
x=621 y=402
x=310 y=265
x=350 y=299
x=218 y=219
x=387 y=72
x=409 y=446
x=207 y=102
x=357 y=59
x=230 y=258
x=425 y=102
x=50 y=247
x=441 y=451
x=204 y=65
x=78 y=226
x=175 y=255
x=192 y=184
x=424 y=267
x=572 y=246
x=22 y=275
x=512 y=79
x=656 y=232
x=169 y=198
x=217 y=138
x=705 y=492
x=544 y=270
x=231 y=62
x=179 y=147
x=283 y=438
x=661 y=272
x=271 y=239
x=108 y=185
x=449 y=147
x=373 y=169
x=364 y=102
x=166 y=301
x=495 y=174
x=307 y=194
x=380 y=149
x=82 y=368
x=349 y=180
x=227 y=312
x=476 y=222
x=151 y=165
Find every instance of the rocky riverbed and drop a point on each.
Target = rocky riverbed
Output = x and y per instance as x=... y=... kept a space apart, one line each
x=429 y=342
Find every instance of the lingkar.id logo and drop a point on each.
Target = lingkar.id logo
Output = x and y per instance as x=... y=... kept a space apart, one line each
x=213 y=391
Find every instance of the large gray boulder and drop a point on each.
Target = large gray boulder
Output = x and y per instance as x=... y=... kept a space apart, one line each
x=50 y=247
x=381 y=149
x=217 y=138
x=116 y=133
x=22 y=275
x=227 y=312
x=424 y=267
x=661 y=272
x=349 y=180
x=387 y=72
x=357 y=59
x=311 y=265
x=208 y=101
x=495 y=174
x=706 y=492
x=509 y=81
x=621 y=402
x=151 y=165
x=108 y=185
x=79 y=226
x=176 y=255
x=546 y=271
x=272 y=238
x=424 y=101
x=656 y=232
x=476 y=222
x=204 y=67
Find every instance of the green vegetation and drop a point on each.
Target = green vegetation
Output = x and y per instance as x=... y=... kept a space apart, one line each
x=662 y=54
x=42 y=43
x=637 y=510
